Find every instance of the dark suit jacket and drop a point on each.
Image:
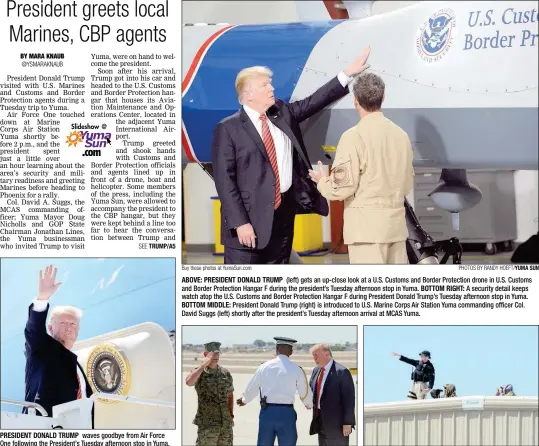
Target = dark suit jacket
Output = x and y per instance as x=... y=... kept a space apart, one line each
x=338 y=402
x=51 y=376
x=527 y=252
x=244 y=179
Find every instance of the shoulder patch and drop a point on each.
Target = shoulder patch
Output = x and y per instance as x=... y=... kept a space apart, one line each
x=342 y=175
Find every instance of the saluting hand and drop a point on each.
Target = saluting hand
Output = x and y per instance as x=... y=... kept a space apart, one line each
x=207 y=360
x=46 y=285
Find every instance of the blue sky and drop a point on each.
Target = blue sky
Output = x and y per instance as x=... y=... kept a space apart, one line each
x=113 y=293
x=477 y=359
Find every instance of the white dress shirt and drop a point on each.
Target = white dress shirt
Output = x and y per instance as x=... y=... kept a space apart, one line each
x=326 y=368
x=283 y=145
x=279 y=379
x=40 y=306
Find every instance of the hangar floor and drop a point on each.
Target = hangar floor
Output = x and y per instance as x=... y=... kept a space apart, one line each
x=468 y=257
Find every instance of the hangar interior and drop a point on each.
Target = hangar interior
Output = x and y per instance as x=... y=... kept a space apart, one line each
x=506 y=216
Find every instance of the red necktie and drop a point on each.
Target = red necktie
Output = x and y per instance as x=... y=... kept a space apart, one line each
x=272 y=155
x=319 y=387
x=79 y=391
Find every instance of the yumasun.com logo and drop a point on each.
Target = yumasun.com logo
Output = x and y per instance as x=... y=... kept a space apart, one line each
x=93 y=141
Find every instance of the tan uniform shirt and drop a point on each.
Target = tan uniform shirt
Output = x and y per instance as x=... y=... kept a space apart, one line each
x=372 y=173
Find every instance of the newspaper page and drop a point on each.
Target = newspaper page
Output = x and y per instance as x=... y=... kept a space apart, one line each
x=89 y=217
x=314 y=351
x=88 y=141
x=334 y=343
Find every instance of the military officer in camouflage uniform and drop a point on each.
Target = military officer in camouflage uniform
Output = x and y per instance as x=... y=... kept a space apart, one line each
x=450 y=391
x=506 y=390
x=214 y=387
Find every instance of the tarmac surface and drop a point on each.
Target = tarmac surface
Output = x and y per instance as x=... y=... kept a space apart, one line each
x=242 y=366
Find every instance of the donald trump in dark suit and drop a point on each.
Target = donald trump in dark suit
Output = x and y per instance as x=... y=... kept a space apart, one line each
x=334 y=399
x=53 y=374
x=261 y=166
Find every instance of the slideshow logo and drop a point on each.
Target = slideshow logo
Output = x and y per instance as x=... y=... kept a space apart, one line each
x=91 y=140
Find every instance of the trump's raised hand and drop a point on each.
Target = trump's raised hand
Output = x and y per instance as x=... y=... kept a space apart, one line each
x=359 y=64
x=46 y=286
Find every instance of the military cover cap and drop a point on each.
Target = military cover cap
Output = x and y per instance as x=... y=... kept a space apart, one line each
x=213 y=347
x=426 y=353
x=285 y=341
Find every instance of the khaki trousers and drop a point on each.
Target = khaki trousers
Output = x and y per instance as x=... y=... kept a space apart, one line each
x=416 y=391
x=378 y=253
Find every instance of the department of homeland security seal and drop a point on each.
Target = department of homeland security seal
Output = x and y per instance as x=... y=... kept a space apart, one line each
x=436 y=36
x=108 y=371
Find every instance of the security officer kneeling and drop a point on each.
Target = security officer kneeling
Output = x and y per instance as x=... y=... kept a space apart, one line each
x=276 y=383
x=422 y=376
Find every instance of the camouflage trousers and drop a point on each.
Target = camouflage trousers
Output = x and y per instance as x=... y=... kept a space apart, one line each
x=215 y=436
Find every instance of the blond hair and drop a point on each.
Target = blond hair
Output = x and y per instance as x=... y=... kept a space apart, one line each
x=59 y=310
x=248 y=74
x=323 y=346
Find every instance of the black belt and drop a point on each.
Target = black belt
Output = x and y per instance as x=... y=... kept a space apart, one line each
x=287 y=193
x=277 y=404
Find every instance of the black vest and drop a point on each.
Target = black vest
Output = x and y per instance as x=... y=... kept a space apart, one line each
x=422 y=372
